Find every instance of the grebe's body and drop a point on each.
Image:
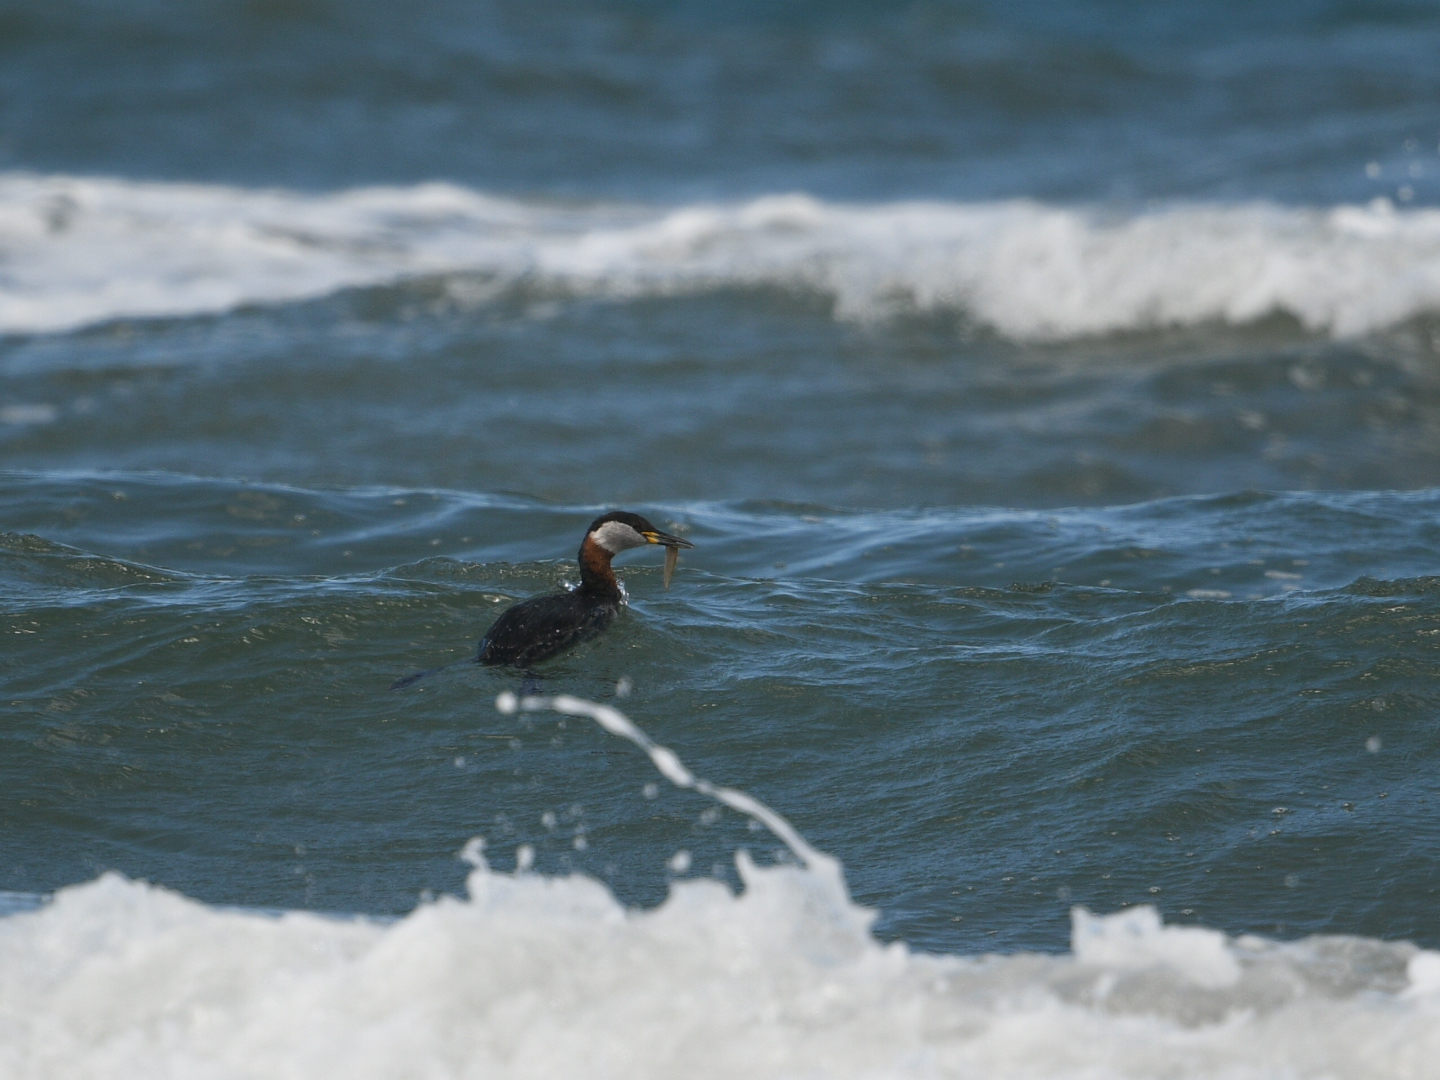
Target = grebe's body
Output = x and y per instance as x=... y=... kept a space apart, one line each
x=544 y=626
x=534 y=630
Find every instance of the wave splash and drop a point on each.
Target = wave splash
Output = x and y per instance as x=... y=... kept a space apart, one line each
x=84 y=250
x=542 y=977
x=533 y=976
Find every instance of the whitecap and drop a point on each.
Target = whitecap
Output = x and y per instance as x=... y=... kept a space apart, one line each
x=82 y=250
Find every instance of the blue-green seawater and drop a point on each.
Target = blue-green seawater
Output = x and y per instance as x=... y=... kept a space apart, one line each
x=1051 y=393
x=236 y=532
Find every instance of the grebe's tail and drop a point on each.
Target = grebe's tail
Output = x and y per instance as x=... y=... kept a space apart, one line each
x=529 y=685
x=410 y=680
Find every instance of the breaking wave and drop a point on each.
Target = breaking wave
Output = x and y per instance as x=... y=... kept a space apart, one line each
x=535 y=976
x=78 y=251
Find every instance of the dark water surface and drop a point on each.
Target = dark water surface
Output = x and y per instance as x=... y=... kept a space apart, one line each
x=667 y=100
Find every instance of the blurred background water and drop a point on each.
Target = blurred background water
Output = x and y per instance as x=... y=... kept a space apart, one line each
x=1050 y=390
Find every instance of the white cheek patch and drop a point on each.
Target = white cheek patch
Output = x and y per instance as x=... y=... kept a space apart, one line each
x=616 y=536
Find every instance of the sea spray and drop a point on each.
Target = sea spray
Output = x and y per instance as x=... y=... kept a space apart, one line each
x=673 y=769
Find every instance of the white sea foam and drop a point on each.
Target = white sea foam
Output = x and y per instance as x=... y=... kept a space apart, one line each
x=532 y=976
x=543 y=977
x=83 y=250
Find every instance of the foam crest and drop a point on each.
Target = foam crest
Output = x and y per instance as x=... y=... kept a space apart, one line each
x=1135 y=940
x=540 y=977
x=84 y=250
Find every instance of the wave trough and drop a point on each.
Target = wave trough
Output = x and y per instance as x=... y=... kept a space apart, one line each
x=80 y=251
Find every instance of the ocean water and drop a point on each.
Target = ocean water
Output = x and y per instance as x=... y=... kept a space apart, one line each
x=1051 y=393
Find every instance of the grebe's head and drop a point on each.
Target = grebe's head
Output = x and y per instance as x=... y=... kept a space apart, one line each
x=619 y=530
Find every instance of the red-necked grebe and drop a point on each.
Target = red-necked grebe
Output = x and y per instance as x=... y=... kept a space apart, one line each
x=534 y=630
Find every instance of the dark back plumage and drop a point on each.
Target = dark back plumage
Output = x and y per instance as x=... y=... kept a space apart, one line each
x=544 y=626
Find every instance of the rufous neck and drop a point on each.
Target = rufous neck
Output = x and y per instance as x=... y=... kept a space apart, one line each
x=596 y=576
